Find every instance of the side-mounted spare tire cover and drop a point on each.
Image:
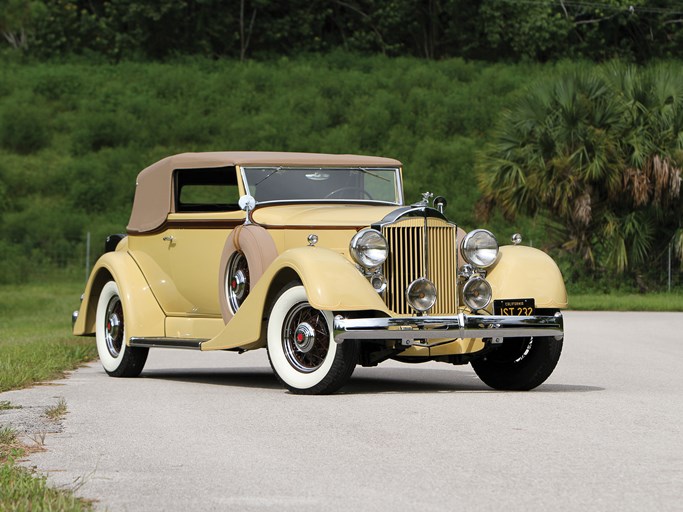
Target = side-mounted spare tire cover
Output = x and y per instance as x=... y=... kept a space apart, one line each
x=253 y=243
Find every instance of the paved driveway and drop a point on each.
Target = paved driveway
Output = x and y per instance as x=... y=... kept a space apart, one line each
x=214 y=431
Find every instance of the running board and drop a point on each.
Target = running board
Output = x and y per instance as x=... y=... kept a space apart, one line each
x=191 y=343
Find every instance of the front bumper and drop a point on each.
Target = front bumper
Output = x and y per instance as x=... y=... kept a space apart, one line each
x=432 y=330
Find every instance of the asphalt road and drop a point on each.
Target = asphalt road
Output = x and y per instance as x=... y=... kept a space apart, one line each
x=214 y=431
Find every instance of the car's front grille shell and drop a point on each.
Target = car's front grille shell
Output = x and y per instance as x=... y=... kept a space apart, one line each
x=406 y=263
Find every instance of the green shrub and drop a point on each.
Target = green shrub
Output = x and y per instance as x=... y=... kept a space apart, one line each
x=102 y=182
x=24 y=126
x=103 y=130
x=57 y=84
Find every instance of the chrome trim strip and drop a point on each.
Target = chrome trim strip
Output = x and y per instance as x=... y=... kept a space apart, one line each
x=190 y=343
x=425 y=249
x=409 y=211
x=452 y=327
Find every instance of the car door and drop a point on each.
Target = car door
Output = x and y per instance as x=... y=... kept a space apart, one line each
x=206 y=211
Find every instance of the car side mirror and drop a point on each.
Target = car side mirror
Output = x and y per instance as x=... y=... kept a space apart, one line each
x=247 y=203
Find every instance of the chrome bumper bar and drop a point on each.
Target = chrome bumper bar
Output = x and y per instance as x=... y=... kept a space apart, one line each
x=420 y=329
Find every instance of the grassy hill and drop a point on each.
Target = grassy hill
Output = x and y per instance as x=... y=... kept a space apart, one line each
x=74 y=134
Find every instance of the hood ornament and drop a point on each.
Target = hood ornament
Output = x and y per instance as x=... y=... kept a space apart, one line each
x=426 y=196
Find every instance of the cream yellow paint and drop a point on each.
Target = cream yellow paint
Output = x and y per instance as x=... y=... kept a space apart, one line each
x=183 y=327
x=144 y=317
x=342 y=289
x=524 y=272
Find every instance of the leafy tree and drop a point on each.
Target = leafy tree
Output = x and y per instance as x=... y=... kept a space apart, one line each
x=601 y=152
x=433 y=29
x=17 y=18
x=69 y=26
x=535 y=30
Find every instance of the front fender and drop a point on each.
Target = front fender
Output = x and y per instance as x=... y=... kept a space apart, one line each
x=524 y=272
x=144 y=317
x=331 y=281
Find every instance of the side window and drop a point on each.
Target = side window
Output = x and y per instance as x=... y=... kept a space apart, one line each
x=206 y=190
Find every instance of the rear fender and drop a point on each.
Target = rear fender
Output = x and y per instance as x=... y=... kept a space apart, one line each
x=144 y=317
x=524 y=272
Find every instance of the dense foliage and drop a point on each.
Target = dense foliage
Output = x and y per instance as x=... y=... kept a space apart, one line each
x=487 y=29
x=74 y=136
x=599 y=151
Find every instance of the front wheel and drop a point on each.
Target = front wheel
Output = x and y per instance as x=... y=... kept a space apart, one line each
x=301 y=347
x=117 y=359
x=520 y=364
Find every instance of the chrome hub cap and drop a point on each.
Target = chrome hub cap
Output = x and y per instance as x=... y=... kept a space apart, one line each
x=113 y=327
x=305 y=338
x=237 y=281
x=238 y=284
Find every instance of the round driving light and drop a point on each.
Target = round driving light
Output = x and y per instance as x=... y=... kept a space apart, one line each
x=369 y=248
x=421 y=294
x=480 y=248
x=379 y=283
x=477 y=293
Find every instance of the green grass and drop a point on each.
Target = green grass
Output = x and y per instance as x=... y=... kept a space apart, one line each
x=627 y=302
x=21 y=490
x=36 y=345
x=57 y=412
x=35 y=333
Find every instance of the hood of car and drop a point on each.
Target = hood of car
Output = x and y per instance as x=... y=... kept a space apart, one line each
x=321 y=215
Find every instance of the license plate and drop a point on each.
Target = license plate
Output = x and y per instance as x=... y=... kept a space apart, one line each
x=514 y=307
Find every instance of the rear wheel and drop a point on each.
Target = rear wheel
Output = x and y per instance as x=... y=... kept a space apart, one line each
x=520 y=364
x=301 y=348
x=117 y=359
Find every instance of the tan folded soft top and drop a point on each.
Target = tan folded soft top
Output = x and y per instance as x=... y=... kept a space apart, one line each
x=154 y=186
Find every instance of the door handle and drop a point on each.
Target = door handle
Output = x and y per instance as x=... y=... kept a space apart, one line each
x=170 y=238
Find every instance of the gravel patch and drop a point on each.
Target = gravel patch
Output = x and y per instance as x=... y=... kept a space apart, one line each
x=27 y=417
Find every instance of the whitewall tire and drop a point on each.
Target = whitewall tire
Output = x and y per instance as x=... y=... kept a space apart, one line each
x=117 y=359
x=301 y=348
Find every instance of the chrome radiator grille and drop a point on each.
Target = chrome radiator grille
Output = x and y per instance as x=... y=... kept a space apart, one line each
x=406 y=263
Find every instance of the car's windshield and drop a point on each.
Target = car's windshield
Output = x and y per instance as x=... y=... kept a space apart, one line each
x=323 y=184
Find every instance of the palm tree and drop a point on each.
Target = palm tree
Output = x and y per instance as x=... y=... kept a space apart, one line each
x=600 y=153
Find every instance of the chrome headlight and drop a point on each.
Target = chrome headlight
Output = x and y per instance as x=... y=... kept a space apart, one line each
x=369 y=248
x=480 y=248
x=477 y=293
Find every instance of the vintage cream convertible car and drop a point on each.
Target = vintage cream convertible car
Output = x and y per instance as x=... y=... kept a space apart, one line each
x=316 y=258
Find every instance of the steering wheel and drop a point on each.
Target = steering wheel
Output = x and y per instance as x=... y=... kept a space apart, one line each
x=344 y=189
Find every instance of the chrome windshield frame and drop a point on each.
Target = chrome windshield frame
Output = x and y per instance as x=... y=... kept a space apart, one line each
x=398 y=184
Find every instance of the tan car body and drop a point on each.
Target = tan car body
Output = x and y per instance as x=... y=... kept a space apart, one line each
x=168 y=266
